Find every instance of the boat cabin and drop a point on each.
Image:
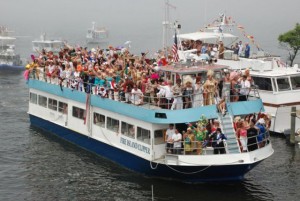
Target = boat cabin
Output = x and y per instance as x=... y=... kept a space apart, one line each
x=188 y=72
x=276 y=82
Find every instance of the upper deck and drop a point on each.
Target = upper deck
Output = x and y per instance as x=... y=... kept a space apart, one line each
x=147 y=112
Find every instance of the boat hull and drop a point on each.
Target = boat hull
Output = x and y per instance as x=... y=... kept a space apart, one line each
x=190 y=174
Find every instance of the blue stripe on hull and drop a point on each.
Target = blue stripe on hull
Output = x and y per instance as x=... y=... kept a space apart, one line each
x=182 y=173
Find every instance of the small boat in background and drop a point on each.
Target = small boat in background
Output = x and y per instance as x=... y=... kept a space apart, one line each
x=97 y=35
x=8 y=57
x=46 y=44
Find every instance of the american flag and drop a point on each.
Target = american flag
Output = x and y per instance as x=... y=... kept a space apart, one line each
x=175 y=49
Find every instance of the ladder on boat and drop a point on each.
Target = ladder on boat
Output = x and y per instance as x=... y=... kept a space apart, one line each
x=227 y=128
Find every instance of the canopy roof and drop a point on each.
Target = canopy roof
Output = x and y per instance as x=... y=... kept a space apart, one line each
x=205 y=36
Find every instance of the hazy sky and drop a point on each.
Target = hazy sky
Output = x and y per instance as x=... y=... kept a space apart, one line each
x=140 y=21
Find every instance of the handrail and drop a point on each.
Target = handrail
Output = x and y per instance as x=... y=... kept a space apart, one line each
x=151 y=102
x=197 y=150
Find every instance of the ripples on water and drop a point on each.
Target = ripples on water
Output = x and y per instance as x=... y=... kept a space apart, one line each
x=37 y=166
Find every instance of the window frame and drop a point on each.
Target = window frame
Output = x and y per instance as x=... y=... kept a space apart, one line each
x=52 y=105
x=288 y=81
x=110 y=124
x=291 y=78
x=62 y=109
x=141 y=132
x=163 y=132
x=127 y=132
x=45 y=100
x=81 y=113
x=33 y=100
x=264 y=83
x=99 y=123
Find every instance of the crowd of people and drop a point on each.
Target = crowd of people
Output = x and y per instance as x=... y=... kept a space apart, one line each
x=251 y=134
x=207 y=51
x=119 y=75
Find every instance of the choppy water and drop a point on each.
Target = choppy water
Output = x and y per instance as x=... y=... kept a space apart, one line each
x=36 y=166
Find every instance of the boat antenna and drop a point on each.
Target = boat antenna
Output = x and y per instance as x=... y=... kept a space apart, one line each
x=93 y=25
x=167 y=26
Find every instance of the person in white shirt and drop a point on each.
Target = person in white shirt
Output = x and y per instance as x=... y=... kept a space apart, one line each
x=176 y=138
x=168 y=93
x=245 y=88
x=136 y=96
x=168 y=138
x=177 y=92
x=240 y=48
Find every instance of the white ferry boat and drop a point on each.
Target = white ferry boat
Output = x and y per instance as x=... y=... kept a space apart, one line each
x=277 y=83
x=45 y=44
x=101 y=126
x=97 y=35
x=8 y=57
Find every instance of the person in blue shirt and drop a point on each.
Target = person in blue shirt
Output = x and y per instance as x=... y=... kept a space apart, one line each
x=218 y=143
x=247 y=50
x=262 y=131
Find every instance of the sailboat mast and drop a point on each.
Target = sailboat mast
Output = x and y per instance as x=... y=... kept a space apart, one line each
x=166 y=24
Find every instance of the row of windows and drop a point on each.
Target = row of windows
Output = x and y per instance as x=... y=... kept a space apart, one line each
x=127 y=129
x=282 y=83
x=49 y=103
x=111 y=124
x=99 y=119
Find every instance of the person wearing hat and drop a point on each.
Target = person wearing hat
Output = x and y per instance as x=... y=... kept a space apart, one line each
x=189 y=139
x=260 y=124
x=218 y=141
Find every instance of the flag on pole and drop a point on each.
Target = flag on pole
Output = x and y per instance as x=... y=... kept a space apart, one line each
x=175 y=49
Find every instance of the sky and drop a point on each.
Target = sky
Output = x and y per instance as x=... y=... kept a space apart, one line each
x=140 y=21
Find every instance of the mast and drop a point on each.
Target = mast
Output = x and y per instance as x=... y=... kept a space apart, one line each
x=166 y=26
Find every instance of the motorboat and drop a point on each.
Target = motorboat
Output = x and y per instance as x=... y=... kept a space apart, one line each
x=44 y=43
x=97 y=35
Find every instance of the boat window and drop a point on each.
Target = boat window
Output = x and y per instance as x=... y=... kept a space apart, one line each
x=42 y=101
x=128 y=129
x=78 y=112
x=112 y=124
x=63 y=107
x=295 y=83
x=263 y=83
x=99 y=120
x=143 y=135
x=274 y=84
x=52 y=104
x=283 y=84
x=33 y=98
x=159 y=136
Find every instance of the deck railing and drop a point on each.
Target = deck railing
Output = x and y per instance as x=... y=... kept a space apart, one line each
x=208 y=147
x=150 y=101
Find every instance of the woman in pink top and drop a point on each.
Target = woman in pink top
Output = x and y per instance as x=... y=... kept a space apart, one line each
x=242 y=135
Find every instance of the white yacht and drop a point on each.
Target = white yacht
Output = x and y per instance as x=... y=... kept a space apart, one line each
x=45 y=44
x=8 y=57
x=278 y=84
x=279 y=88
x=97 y=35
